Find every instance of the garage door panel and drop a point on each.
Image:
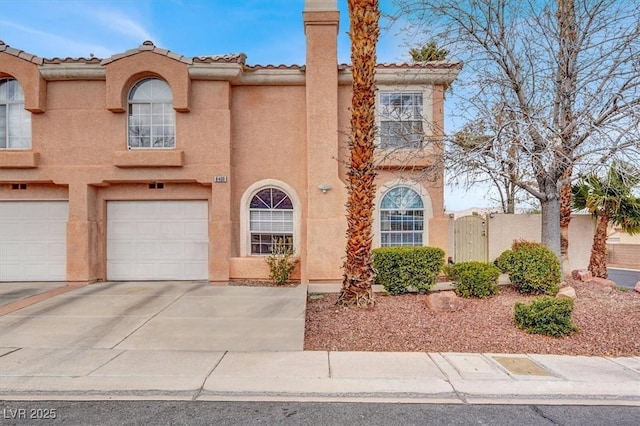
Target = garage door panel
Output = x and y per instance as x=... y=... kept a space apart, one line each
x=157 y=240
x=33 y=240
x=120 y=250
x=169 y=250
x=196 y=251
x=171 y=269
x=194 y=229
x=57 y=251
x=173 y=229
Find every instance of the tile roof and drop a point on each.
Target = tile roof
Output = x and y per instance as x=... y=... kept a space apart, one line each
x=275 y=67
x=148 y=46
x=435 y=65
x=238 y=58
x=233 y=58
x=19 y=53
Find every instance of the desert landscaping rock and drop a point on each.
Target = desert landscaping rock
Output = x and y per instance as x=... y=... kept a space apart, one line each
x=637 y=287
x=567 y=292
x=609 y=325
x=581 y=275
x=444 y=301
x=603 y=282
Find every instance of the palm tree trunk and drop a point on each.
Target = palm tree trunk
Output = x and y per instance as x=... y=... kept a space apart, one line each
x=598 y=259
x=358 y=273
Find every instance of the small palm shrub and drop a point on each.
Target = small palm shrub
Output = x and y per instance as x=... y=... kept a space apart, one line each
x=281 y=261
x=474 y=279
x=532 y=268
x=545 y=315
x=400 y=268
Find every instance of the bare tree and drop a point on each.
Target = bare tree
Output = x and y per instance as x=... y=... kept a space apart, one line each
x=358 y=272
x=567 y=74
x=479 y=134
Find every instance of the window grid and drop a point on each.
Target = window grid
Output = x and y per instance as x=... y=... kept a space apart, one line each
x=270 y=220
x=401 y=218
x=151 y=115
x=15 y=121
x=401 y=120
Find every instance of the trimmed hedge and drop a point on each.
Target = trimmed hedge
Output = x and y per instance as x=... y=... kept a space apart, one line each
x=545 y=315
x=401 y=268
x=474 y=279
x=532 y=267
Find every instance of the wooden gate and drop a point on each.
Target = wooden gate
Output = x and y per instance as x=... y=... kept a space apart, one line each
x=470 y=239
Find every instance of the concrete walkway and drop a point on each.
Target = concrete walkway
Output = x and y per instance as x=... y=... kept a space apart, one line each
x=195 y=341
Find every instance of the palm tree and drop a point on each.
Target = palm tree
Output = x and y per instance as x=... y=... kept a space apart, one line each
x=358 y=272
x=428 y=52
x=610 y=200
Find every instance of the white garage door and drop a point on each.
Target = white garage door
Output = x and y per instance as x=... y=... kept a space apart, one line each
x=157 y=240
x=33 y=237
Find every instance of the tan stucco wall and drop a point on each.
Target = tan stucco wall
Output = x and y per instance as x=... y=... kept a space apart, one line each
x=505 y=228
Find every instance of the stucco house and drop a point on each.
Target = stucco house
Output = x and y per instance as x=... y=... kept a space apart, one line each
x=149 y=165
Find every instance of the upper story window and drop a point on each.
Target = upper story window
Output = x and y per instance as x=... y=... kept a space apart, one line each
x=401 y=117
x=401 y=218
x=151 y=115
x=15 y=121
x=270 y=219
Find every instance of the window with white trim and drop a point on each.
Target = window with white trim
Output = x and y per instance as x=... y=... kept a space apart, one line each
x=401 y=117
x=401 y=218
x=270 y=219
x=15 y=121
x=151 y=118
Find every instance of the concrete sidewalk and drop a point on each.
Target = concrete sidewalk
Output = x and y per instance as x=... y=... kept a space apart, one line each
x=195 y=341
x=86 y=374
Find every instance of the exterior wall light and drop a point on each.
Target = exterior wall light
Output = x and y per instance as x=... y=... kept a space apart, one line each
x=324 y=187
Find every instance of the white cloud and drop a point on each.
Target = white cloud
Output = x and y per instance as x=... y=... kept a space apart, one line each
x=47 y=44
x=119 y=22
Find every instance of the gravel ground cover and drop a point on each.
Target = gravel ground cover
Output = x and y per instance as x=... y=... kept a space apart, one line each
x=608 y=319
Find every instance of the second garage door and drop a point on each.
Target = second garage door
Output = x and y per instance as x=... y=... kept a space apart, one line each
x=157 y=240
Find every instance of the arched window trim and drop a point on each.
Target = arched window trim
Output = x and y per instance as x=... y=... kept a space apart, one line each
x=383 y=189
x=245 y=233
x=13 y=112
x=158 y=117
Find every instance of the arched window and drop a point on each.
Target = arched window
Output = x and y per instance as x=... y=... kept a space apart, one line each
x=270 y=219
x=151 y=115
x=401 y=218
x=15 y=121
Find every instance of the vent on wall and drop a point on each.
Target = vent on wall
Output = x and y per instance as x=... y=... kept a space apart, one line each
x=156 y=185
x=18 y=186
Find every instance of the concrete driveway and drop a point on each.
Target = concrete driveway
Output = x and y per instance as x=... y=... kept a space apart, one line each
x=186 y=316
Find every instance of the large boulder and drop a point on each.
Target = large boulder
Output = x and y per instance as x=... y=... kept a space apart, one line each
x=567 y=292
x=444 y=301
x=637 y=287
x=581 y=274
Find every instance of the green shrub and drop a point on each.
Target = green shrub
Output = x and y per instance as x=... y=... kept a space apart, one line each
x=474 y=279
x=532 y=267
x=545 y=315
x=401 y=268
x=281 y=262
x=504 y=262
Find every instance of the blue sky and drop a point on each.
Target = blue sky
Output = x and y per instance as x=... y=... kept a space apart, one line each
x=267 y=31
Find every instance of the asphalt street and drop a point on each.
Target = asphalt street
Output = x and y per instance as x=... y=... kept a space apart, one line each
x=624 y=277
x=297 y=413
